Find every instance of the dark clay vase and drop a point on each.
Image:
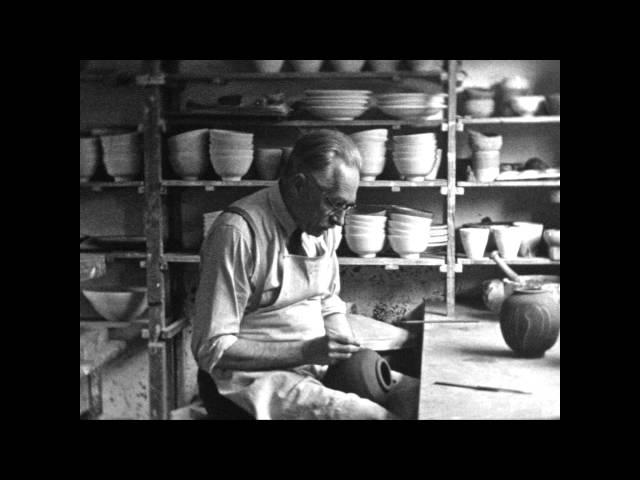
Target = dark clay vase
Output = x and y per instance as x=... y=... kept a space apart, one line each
x=366 y=374
x=530 y=322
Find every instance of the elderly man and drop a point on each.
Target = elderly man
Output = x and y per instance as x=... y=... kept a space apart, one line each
x=268 y=319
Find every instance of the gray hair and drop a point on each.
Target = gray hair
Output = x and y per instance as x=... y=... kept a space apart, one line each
x=320 y=150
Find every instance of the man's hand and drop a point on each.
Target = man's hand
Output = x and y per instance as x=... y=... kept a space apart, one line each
x=329 y=349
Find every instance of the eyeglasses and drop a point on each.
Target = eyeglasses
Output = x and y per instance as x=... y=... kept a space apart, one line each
x=335 y=208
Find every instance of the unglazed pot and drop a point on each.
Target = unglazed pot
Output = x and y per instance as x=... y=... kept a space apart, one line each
x=366 y=374
x=530 y=322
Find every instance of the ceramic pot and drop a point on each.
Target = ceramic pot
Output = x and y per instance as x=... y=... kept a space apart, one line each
x=366 y=374
x=494 y=292
x=268 y=66
x=307 y=66
x=530 y=322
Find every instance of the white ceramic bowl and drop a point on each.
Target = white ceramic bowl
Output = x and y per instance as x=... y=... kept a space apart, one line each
x=268 y=66
x=408 y=246
x=384 y=65
x=230 y=135
x=89 y=157
x=231 y=167
x=508 y=239
x=117 y=304
x=366 y=246
x=347 y=65
x=531 y=237
x=308 y=66
x=408 y=231
x=189 y=165
x=474 y=241
x=357 y=230
x=479 y=107
x=526 y=105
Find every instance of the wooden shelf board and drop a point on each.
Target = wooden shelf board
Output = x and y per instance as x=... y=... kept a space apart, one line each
x=102 y=323
x=266 y=183
x=100 y=185
x=427 y=260
x=251 y=76
x=204 y=117
x=511 y=184
x=518 y=261
x=511 y=120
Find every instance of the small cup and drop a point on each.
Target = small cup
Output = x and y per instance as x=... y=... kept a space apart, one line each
x=474 y=241
x=531 y=237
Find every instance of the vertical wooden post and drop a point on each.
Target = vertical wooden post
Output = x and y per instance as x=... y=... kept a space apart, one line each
x=451 y=186
x=158 y=365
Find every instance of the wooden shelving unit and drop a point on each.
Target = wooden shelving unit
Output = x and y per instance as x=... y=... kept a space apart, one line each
x=162 y=114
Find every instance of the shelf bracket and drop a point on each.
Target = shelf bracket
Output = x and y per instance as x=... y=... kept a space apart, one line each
x=395 y=188
x=459 y=125
x=445 y=190
x=150 y=80
x=391 y=266
x=209 y=188
x=444 y=126
x=396 y=127
x=457 y=268
x=163 y=263
x=167 y=332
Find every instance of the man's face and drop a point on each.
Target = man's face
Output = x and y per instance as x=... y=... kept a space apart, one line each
x=327 y=196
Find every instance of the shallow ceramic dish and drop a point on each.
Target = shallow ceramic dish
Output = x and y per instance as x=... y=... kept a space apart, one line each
x=117 y=304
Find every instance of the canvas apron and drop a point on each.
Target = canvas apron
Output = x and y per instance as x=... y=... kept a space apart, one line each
x=295 y=315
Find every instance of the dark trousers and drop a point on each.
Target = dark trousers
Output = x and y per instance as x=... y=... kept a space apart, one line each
x=218 y=407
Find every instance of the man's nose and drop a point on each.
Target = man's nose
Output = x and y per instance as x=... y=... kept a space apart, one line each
x=337 y=218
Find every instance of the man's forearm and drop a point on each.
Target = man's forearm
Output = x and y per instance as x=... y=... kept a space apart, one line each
x=252 y=355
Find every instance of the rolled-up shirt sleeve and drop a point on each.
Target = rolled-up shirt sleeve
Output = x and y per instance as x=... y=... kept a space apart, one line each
x=226 y=264
x=331 y=302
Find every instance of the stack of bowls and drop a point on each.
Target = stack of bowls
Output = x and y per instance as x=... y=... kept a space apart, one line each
x=438 y=236
x=416 y=156
x=408 y=234
x=208 y=219
x=89 y=157
x=485 y=159
x=188 y=153
x=231 y=153
x=372 y=146
x=411 y=106
x=122 y=155
x=268 y=162
x=365 y=233
x=336 y=104
x=307 y=66
x=509 y=88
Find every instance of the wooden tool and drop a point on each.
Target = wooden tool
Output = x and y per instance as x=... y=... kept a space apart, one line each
x=481 y=387
x=513 y=276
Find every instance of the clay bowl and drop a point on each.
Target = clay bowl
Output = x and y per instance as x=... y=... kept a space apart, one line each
x=117 y=304
x=526 y=105
x=365 y=373
x=486 y=141
x=89 y=157
x=384 y=65
x=189 y=165
x=479 y=107
x=408 y=246
x=347 y=65
x=366 y=246
x=268 y=66
x=307 y=66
